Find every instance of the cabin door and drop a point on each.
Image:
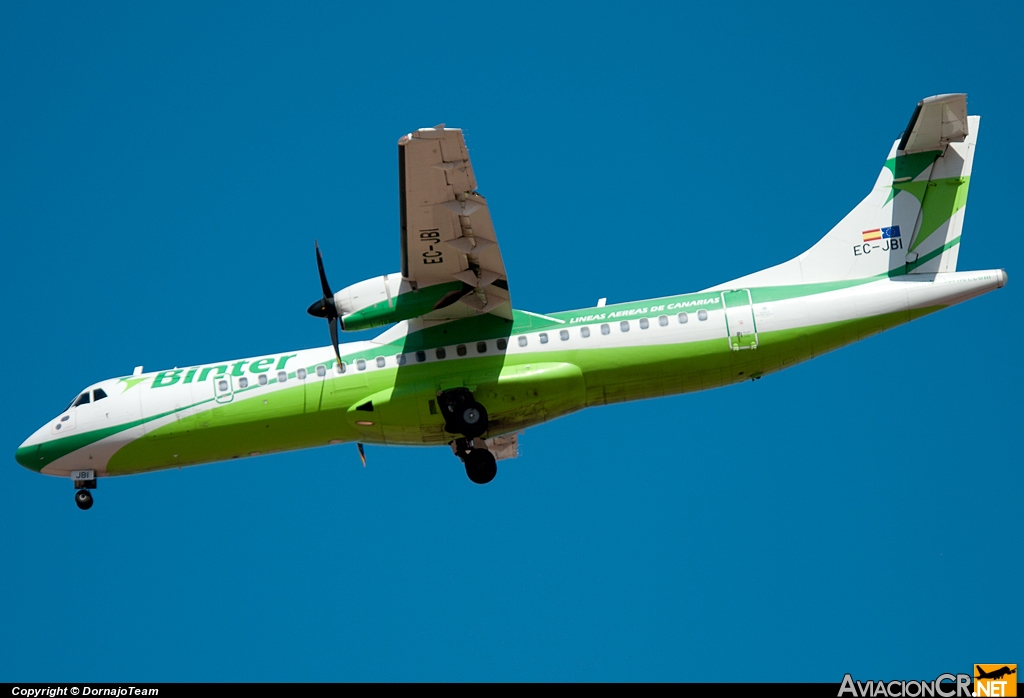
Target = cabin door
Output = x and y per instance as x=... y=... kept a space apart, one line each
x=739 y=319
x=223 y=388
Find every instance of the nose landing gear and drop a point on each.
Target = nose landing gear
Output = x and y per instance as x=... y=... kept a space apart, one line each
x=85 y=480
x=83 y=499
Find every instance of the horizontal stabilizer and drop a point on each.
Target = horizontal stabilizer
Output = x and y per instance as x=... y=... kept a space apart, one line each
x=936 y=122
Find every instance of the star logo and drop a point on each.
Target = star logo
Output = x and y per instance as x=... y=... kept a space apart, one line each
x=130 y=383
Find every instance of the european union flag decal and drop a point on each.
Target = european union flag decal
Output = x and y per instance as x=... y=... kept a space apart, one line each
x=893 y=232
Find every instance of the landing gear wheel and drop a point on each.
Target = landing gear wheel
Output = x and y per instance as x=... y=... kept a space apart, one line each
x=480 y=466
x=83 y=499
x=472 y=420
x=462 y=414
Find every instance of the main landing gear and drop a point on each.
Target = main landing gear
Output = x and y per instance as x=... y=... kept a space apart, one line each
x=464 y=415
x=83 y=498
x=481 y=466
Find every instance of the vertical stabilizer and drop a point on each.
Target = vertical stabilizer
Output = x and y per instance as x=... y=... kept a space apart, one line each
x=911 y=220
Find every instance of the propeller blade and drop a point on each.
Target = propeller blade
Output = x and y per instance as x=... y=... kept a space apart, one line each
x=362 y=453
x=333 y=323
x=323 y=276
x=325 y=307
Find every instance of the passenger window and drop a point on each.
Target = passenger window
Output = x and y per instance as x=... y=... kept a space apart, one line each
x=502 y=343
x=644 y=324
x=361 y=364
x=263 y=379
x=98 y=394
x=563 y=334
x=421 y=356
x=340 y=368
x=624 y=326
x=585 y=331
x=440 y=353
x=663 y=320
x=222 y=385
x=461 y=350
x=83 y=399
x=243 y=383
x=683 y=318
x=702 y=315
x=481 y=347
x=282 y=376
x=522 y=340
x=400 y=359
x=605 y=329
x=301 y=374
x=321 y=370
x=543 y=337
x=380 y=362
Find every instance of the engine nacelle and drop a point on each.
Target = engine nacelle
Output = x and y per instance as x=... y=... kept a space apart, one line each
x=383 y=300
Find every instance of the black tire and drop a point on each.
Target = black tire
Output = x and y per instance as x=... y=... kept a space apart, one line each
x=83 y=499
x=471 y=419
x=481 y=466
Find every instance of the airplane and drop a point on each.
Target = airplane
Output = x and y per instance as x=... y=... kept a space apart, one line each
x=458 y=366
x=995 y=674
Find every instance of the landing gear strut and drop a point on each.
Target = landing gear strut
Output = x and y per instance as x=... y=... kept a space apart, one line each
x=481 y=466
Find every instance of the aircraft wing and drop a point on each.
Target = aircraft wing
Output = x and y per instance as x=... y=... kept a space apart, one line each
x=446 y=230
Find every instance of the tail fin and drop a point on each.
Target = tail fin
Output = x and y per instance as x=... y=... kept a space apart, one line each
x=912 y=219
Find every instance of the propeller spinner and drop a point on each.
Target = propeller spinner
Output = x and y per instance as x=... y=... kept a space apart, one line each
x=325 y=307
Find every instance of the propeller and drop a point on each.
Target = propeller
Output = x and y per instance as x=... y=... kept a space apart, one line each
x=325 y=307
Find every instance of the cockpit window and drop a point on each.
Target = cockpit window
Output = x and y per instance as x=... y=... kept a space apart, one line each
x=98 y=394
x=83 y=399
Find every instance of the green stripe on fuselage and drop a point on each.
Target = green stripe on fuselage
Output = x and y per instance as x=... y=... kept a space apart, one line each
x=609 y=375
x=39 y=456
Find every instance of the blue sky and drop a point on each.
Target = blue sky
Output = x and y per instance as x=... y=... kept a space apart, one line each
x=164 y=170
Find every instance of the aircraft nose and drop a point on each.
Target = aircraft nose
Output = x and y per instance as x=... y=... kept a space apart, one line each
x=27 y=454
